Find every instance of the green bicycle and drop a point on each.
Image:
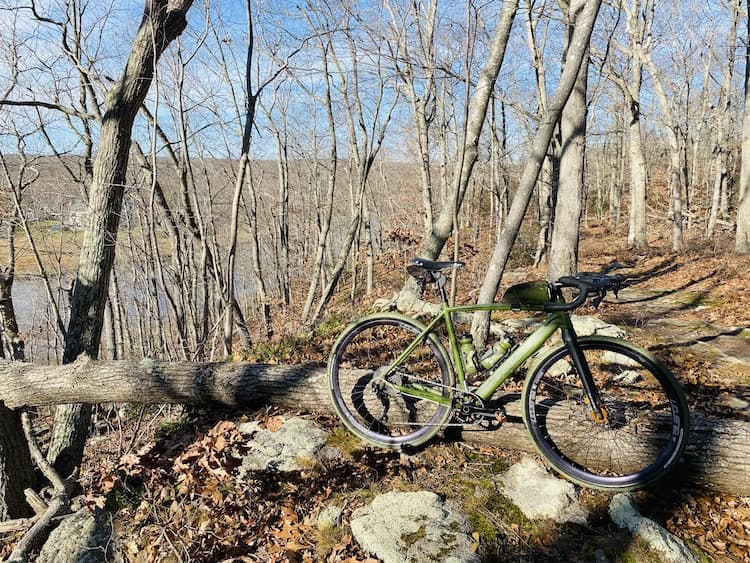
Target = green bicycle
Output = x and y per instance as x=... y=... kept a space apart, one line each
x=602 y=411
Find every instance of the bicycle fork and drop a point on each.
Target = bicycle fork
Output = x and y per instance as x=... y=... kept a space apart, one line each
x=591 y=395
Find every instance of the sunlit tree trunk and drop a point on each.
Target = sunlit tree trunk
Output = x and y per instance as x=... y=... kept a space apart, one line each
x=577 y=49
x=563 y=252
x=721 y=151
x=742 y=238
x=163 y=21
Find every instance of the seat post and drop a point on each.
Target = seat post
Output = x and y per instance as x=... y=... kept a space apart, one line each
x=440 y=280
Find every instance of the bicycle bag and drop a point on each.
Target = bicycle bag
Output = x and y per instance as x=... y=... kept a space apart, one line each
x=529 y=293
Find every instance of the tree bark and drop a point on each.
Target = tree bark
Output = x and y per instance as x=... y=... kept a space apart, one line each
x=563 y=252
x=577 y=49
x=162 y=22
x=16 y=471
x=742 y=238
x=716 y=457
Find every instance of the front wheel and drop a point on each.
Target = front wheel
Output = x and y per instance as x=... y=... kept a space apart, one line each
x=359 y=377
x=643 y=428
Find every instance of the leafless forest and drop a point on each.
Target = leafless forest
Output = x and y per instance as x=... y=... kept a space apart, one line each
x=186 y=181
x=275 y=158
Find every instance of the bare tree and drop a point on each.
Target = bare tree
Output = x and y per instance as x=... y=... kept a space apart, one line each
x=417 y=68
x=577 y=49
x=563 y=252
x=162 y=22
x=366 y=122
x=476 y=114
x=638 y=23
x=550 y=173
x=719 y=196
x=327 y=203
x=742 y=238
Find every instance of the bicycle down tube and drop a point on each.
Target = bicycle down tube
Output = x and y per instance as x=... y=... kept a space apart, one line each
x=530 y=345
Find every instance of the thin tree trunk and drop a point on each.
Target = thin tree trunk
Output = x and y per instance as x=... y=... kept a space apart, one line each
x=576 y=53
x=721 y=150
x=325 y=227
x=443 y=226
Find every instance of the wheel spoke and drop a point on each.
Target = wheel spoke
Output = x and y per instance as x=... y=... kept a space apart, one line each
x=368 y=404
x=633 y=443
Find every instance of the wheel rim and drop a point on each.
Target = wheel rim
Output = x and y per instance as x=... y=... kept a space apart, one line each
x=362 y=398
x=638 y=439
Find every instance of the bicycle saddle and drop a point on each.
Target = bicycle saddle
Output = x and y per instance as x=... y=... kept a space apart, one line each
x=434 y=266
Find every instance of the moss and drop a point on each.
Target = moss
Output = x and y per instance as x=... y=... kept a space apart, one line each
x=344 y=441
x=172 y=427
x=410 y=538
x=331 y=326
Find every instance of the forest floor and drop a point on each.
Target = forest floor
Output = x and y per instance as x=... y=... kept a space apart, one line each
x=162 y=471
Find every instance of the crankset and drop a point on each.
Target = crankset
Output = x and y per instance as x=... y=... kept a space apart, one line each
x=470 y=409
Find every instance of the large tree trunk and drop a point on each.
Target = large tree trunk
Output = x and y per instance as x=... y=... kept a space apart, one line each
x=717 y=453
x=162 y=22
x=563 y=252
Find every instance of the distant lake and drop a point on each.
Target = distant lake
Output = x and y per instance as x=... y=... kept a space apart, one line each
x=32 y=313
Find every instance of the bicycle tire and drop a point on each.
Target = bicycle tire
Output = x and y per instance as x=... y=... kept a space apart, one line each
x=646 y=427
x=374 y=343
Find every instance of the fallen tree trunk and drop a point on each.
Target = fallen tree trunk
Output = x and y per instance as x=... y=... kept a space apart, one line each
x=718 y=454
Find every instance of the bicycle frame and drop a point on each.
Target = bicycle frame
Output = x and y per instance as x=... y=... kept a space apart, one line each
x=554 y=321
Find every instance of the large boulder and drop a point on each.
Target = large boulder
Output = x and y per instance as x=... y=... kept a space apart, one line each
x=539 y=495
x=413 y=527
x=290 y=447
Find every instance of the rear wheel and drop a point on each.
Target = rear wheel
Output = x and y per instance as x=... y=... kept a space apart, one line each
x=367 y=404
x=641 y=432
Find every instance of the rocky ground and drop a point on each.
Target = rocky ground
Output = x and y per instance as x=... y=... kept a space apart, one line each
x=184 y=485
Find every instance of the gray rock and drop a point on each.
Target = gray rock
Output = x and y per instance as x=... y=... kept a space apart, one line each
x=628 y=377
x=540 y=495
x=413 y=527
x=329 y=517
x=620 y=359
x=624 y=513
x=735 y=403
x=520 y=324
x=291 y=448
x=586 y=325
x=83 y=537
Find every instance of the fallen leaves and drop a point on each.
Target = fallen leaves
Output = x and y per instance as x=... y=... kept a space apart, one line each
x=179 y=501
